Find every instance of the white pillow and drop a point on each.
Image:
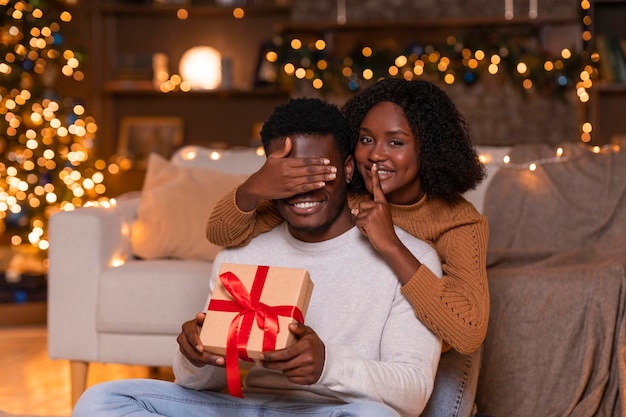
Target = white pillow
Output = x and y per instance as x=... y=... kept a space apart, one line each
x=174 y=208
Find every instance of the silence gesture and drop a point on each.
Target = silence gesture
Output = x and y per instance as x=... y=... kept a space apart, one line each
x=282 y=177
x=373 y=218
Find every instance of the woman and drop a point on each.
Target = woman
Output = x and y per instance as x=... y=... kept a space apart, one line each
x=415 y=158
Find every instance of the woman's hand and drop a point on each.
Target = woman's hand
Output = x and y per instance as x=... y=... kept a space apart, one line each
x=373 y=218
x=282 y=177
x=191 y=346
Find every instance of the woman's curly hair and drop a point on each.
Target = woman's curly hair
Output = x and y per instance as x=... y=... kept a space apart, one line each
x=449 y=165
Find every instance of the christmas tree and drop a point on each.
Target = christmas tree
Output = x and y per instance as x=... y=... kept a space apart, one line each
x=46 y=140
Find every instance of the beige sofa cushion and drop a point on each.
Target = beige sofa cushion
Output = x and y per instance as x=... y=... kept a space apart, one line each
x=174 y=208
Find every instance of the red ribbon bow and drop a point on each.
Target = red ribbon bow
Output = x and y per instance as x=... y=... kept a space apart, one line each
x=249 y=309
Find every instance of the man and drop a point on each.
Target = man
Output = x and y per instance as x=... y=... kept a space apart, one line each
x=361 y=352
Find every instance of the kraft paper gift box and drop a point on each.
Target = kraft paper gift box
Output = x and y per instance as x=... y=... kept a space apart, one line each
x=282 y=290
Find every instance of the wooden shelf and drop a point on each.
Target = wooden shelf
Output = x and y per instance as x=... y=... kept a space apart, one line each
x=140 y=88
x=431 y=23
x=608 y=99
x=610 y=87
x=193 y=10
x=126 y=35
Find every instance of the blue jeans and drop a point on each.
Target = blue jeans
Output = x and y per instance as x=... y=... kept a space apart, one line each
x=455 y=385
x=151 y=398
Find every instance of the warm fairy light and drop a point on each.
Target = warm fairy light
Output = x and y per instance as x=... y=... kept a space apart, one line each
x=271 y=56
x=190 y=154
x=296 y=44
x=289 y=68
x=402 y=60
x=532 y=166
x=238 y=13
x=182 y=14
x=559 y=152
x=117 y=261
x=214 y=156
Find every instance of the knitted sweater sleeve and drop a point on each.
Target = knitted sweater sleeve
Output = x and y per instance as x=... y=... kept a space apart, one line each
x=455 y=307
x=229 y=227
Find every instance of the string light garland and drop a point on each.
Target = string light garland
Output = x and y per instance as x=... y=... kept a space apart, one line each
x=532 y=165
x=455 y=60
x=46 y=141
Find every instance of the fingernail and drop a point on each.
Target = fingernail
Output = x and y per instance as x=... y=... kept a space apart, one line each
x=326 y=161
x=355 y=211
x=375 y=167
x=333 y=169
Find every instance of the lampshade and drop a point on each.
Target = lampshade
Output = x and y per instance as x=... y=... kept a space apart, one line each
x=201 y=66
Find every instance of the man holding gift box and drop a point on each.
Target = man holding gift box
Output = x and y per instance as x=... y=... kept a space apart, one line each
x=361 y=352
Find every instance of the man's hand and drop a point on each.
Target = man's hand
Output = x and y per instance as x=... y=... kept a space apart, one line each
x=191 y=346
x=302 y=363
x=373 y=218
x=282 y=177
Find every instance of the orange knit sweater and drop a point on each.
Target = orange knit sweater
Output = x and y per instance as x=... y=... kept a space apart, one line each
x=455 y=307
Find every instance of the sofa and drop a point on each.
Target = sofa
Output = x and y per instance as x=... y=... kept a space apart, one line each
x=122 y=279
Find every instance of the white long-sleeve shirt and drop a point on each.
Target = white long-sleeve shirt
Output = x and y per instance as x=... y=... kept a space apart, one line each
x=376 y=348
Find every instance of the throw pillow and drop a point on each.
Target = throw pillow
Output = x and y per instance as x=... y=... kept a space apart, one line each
x=174 y=208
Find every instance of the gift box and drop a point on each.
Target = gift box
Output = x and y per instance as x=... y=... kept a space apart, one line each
x=250 y=311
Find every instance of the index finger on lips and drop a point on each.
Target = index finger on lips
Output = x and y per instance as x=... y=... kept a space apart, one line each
x=377 y=189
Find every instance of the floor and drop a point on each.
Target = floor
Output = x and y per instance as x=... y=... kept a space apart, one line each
x=31 y=383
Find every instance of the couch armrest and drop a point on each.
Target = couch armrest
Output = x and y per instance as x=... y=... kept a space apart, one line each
x=83 y=243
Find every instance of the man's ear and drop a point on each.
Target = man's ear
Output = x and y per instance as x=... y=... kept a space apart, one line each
x=348 y=168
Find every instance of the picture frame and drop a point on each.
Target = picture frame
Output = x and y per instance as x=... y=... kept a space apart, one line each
x=265 y=73
x=141 y=136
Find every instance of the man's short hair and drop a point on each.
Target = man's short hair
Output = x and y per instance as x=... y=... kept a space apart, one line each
x=307 y=116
